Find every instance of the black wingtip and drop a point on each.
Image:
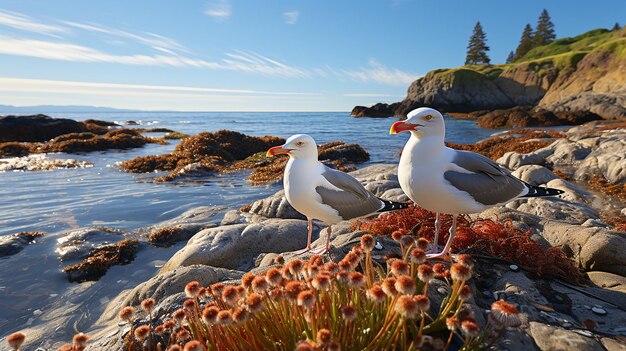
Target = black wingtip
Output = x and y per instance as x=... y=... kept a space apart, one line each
x=537 y=191
x=392 y=205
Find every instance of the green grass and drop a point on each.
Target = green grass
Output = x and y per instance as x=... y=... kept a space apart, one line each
x=564 y=53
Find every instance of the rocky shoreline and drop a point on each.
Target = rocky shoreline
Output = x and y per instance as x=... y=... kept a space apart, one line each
x=586 y=225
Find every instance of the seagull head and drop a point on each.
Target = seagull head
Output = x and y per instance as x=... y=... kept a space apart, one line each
x=297 y=146
x=423 y=121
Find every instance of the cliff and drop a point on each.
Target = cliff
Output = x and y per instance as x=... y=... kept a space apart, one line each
x=570 y=80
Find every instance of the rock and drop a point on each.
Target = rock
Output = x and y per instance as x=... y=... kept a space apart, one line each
x=608 y=158
x=513 y=160
x=593 y=248
x=88 y=142
x=185 y=225
x=236 y=246
x=548 y=338
x=555 y=209
x=101 y=259
x=36 y=128
x=275 y=206
x=14 y=243
x=608 y=280
x=34 y=163
x=164 y=285
x=378 y=110
x=613 y=344
x=77 y=244
x=534 y=174
x=233 y=217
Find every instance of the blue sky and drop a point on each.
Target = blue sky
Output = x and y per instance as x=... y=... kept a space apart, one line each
x=261 y=55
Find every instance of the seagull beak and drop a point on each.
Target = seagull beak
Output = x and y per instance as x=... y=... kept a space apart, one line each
x=277 y=150
x=400 y=127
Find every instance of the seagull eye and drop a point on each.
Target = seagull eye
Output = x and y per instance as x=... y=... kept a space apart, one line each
x=428 y=117
x=300 y=143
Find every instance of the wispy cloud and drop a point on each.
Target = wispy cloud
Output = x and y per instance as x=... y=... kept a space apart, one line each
x=377 y=72
x=291 y=17
x=219 y=10
x=157 y=42
x=237 y=61
x=53 y=86
x=26 y=23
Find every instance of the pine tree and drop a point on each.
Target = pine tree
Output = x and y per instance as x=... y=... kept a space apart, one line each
x=526 y=42
x=545 y=29
x=477 y=47
x=511 y=57
x=616 y=27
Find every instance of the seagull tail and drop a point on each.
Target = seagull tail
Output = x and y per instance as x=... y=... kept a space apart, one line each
x=537 y=191
x=392 y=206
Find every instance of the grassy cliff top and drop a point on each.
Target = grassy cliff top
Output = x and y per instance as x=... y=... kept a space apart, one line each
x=561 y=54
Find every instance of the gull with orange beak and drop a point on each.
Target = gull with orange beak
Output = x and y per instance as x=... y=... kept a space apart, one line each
x=322 y=193
x=445 y=180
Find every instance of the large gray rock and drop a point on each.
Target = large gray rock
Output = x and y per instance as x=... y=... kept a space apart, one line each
x=14 y=243
x=607 y=159
x=235 y=246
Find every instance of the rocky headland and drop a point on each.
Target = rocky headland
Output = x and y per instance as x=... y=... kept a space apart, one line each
x=566 y=82
x=561 y=261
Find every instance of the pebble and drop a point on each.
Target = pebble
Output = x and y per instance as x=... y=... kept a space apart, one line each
x=514 y=267
x=587 y=307
x=566 y=325
x=378 y=246
x=37 y=313
x=586 y=333
x=599 y=310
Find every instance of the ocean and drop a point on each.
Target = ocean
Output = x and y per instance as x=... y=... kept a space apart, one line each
x=55 y=201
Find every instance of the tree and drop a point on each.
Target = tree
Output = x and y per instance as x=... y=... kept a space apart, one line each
x=545 y=29
x=526 y=42
x=511 y=57
x=616 y=27
x=477 y=47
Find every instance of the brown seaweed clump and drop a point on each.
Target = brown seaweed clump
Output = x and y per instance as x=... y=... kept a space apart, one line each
x=335 y=154
x=166 y=236
x=101 y=259
x=202 y=153
x=521 y=141
x=14 y=149
x=87 y=141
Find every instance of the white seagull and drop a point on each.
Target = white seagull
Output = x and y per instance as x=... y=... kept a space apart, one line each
x=445 y=180
x=319 y=192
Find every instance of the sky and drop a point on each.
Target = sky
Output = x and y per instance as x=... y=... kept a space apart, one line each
x=254 y=55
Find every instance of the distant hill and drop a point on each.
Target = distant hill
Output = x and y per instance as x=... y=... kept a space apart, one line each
x=568 y=81
x=8 y=109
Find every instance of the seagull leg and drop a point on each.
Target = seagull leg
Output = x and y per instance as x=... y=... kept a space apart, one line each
x=322 y=250
x=446 y=249
x=308 y=244
x=435 y=248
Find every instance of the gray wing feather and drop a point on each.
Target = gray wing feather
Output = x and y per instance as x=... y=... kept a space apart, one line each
x=490 y=184
x=354 y=201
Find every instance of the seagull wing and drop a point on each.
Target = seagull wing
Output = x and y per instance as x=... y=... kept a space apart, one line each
x=485 y=180
x=349 y=198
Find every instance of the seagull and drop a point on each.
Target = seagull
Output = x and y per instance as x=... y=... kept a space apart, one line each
x=322 y=193
x=445 y=180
